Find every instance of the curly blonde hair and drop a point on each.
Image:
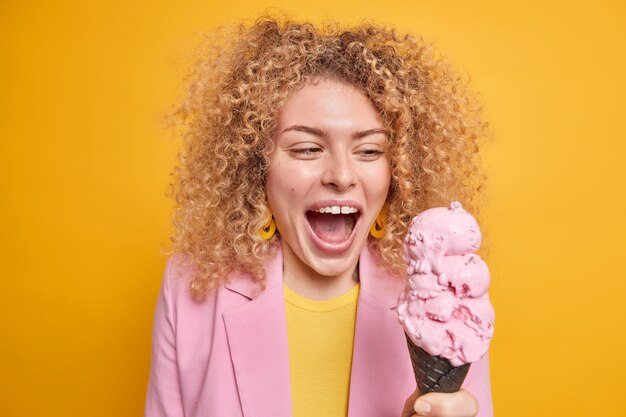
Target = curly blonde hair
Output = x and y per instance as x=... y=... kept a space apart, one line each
x=241 y=79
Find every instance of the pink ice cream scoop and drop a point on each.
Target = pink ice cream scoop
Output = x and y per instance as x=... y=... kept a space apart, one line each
x=445 y=308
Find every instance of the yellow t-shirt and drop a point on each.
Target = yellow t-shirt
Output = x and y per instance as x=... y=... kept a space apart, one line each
x=321 y=337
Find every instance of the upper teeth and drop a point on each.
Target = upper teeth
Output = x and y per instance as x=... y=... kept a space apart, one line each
x=337 y=210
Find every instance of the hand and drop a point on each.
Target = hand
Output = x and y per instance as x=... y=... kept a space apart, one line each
x=437 y=404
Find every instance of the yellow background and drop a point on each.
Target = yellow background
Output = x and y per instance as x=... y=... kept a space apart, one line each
x=84 y=168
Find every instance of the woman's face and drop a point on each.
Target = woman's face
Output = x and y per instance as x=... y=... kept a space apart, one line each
x=328 y=176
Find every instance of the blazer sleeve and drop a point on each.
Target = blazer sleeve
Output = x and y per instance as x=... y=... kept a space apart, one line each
x=164 y=395
x=478 y=383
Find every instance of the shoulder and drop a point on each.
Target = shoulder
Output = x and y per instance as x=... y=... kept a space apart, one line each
x=180 y=271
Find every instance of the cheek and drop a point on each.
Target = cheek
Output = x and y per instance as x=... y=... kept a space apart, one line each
x=281 y=177
x=380 y=182
x=281 y=191
x=292 y=178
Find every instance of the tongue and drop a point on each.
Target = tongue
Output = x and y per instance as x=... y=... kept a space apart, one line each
x=331 y=228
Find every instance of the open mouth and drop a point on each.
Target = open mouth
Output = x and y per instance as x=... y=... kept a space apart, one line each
x=333 y=224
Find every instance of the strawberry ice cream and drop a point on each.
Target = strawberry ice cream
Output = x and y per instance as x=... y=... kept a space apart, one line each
x=445 y=308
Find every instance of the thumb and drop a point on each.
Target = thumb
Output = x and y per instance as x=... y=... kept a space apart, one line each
x=457 y=404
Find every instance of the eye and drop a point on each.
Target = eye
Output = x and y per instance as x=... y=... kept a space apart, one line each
x=370 y=153
x=306 y=152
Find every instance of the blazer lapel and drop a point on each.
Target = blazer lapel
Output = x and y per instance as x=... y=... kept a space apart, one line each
x=257 y=339
x=382 y=377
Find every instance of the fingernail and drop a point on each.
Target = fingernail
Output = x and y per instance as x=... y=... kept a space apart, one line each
x=422 y=407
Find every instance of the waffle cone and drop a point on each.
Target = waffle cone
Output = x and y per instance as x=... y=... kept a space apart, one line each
x=434 y=373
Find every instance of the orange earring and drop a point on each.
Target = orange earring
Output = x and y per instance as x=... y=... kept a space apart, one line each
x=378 y=228
x=269 y=229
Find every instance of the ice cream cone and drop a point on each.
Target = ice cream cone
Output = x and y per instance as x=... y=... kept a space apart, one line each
x=434 y=373
x=445 y=308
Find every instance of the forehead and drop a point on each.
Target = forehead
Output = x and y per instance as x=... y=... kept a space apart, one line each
x=329 y=104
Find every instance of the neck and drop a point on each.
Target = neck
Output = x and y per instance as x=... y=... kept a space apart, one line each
x=306 y=282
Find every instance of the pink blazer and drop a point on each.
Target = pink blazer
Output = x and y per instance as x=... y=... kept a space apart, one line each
x=228 y=357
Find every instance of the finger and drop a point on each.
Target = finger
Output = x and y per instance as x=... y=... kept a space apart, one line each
x=457 y=404
x=408 y=410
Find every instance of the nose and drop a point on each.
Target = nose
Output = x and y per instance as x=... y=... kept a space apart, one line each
x=340 y=173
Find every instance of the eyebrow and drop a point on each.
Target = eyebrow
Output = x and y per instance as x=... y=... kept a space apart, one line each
x=322 y=134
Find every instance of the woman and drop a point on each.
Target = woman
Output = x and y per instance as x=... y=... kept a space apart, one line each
x=307 y=153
